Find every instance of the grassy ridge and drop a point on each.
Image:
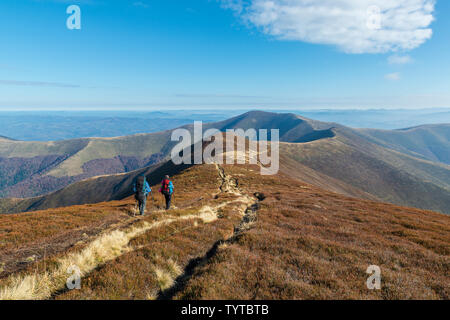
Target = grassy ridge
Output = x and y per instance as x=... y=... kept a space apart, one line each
x=294 y=242
x=331 y=156
x=311 y=244
x=386 y=174
x=430 y=142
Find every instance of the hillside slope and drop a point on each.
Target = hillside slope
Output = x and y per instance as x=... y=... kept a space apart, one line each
x=292 y=128
x=92 y=190
x=387 y=175
x=233 y=235
x=327 y=155
x=430 y=142
x=30 y=169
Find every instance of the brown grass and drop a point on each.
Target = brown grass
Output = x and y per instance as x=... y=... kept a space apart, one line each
x=305 y=243
x=311 y=244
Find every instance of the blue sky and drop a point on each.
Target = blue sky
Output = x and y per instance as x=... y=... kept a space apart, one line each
x=160 y=54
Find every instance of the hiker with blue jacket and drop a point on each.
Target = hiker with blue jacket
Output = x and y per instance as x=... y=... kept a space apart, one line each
x=167 y=190
x=141 y=191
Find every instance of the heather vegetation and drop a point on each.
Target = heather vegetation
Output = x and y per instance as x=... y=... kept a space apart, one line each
x=30 y=169
x=233 y=234
x=312 y=244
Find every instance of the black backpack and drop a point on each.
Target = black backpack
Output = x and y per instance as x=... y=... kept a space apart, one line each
x=140 y=185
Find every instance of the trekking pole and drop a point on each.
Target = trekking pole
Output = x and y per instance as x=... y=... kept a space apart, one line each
x=146 y=203
x=172 y=197
x=136 y=205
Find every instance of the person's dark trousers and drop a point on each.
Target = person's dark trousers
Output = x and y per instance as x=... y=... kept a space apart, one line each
x=142 y=204
x=168 y=200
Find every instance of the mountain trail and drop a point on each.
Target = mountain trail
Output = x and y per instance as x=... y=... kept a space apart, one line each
x=105 y=248
x=248 y=211
x=114 y=242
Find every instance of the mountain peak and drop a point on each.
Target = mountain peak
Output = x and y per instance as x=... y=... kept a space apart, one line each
x=6 y=138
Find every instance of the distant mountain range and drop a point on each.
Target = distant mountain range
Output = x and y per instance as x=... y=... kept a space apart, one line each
x=429 y=142
x=59 y=125
x=406 y=167
x=65 y=125
x=6 y=138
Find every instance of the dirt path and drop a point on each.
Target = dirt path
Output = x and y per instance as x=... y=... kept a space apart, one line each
x=115 y=241
x=248 y=211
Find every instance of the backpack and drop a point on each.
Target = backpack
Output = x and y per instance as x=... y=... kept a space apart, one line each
x=140 y=185
x=165 y=187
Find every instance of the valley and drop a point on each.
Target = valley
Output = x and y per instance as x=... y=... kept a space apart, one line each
x=369 y=164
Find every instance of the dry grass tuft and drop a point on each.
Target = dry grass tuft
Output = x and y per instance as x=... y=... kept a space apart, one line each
x=105 y=248
x=173 y=268
x=164 y=279
x=41 y=286
x=152 y=295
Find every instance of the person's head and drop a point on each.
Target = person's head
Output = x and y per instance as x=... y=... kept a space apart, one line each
x=166 y=177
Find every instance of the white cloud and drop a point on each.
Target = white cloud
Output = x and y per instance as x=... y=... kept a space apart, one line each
x=400 y=59
x=393 y=76
x=38 y=84
x=236 y=5
x=140 y=4
x=351 y=25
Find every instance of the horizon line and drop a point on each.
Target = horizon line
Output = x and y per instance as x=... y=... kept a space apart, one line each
x=156 y=109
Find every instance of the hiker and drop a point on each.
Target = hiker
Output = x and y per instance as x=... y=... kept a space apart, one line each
x=167 y=190
x=141 y=191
